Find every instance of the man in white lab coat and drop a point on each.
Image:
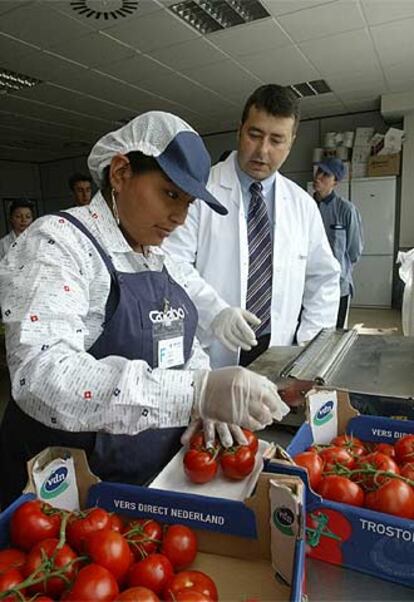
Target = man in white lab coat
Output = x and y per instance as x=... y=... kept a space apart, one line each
x=303 y=283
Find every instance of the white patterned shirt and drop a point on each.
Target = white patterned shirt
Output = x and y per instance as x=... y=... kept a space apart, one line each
x=53 y=292
x=6 y=242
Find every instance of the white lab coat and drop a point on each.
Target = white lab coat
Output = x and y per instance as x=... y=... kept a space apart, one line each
x=305 y=272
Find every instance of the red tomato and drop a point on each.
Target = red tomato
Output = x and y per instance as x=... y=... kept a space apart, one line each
x=341 y=489
x=313 y=464
x=352 y=444
x=386 y=448
x=61 y=557
x=9 y=579
x=332 y=456
x=116 y=523
x=153 y=572
x=83 y=524
x=144 y=535
x=407 y=471
x=94 y=583
x=394 y=497
x=137 y=594
x=200 y=466
x=237 y=462
x=192 y=595
x=379 y=462
x=110 y=550
x=11 y=558
x=180 y=546
x=404 y=449
x=197 y=441
x=32 y=522
x=42 y=599
x=252 y=440
x=192 y=580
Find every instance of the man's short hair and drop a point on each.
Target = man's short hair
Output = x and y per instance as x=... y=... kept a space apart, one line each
x=78 y=177
x=21 y=204
x=275 y=100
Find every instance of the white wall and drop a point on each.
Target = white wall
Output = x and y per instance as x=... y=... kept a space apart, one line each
x=407 y=185
x=18 y=180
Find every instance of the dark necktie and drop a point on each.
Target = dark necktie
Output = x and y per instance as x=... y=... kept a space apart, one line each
x=259 y=284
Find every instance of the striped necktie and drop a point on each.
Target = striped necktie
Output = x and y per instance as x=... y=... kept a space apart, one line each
x=259 y=283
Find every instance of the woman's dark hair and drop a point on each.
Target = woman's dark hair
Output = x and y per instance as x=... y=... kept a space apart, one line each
x=275 y=100
x=21 y=204
x=140 y=164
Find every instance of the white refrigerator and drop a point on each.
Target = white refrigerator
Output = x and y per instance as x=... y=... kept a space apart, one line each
x=376 y=201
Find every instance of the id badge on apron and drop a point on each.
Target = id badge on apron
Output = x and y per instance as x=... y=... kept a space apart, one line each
x=168 y=337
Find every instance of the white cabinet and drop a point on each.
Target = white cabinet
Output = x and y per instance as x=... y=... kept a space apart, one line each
x=376 y=201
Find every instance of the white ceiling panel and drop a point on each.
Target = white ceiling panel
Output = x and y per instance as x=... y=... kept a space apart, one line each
x=284 y=66
x=261 y=35
x=362 y=104
x=44 y=66
x=145 y=7
x=94 y=50
x=350 y=52
x=195 y=53
x=40 y=25
x=226 y=78
x=283 y=7
x=355 y=83
x=9 y=5
x=382 y=11
x=385 y=37
x=136 y=69
x=12 y=49
x=153 y=31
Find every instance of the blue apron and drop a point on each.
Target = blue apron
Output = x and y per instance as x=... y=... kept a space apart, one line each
x=127 y=332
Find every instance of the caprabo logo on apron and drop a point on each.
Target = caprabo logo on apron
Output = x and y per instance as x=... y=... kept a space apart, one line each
x=55 y=484
x=170 y=315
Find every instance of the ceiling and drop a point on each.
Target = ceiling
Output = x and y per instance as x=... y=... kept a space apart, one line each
x=98 y=73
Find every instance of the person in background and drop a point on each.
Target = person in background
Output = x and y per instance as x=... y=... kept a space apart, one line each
x=100 y=330
x=20 y=217
x=343 y=226
x=269 y=259
x=81 y=187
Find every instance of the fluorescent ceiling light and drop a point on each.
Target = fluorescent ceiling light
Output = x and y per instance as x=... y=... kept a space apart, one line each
x=11 y=80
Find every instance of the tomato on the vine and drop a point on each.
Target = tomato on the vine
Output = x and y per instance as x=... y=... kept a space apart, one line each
x=116 y=523
x=191 y=595
x=93 y=583
x=407 y=471
x=180 y=546
x=110 y=550
x=237 y=462
x=154 y=572
x=393 y=497
x=137 y=594
x=341 y=489
x=404 y=449
x=9 y=578
x=333 y=456
x=197 y=441
x=82 y=524
x=11 y=558
x=252 y=440
x=60 y=558
x=144 y=535
x=386 y=448
x=200 y=466
x=352 y=444
x=32 y=522
x=375 y=461
x=313 y=464
x=191 y=580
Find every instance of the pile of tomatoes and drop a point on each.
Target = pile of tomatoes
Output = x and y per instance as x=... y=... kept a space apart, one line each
x=201 y=464
x=93 y=556
x=379 y=476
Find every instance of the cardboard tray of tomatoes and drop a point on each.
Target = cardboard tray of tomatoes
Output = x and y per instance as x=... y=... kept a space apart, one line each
x=358 y=538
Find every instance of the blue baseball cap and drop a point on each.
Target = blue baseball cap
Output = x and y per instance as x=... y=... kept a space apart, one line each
x=178 y=149
x=334 y=167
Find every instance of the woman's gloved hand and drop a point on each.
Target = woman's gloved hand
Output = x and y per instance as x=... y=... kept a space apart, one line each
x=238 y=396
x=227 y=434
x=231 y=327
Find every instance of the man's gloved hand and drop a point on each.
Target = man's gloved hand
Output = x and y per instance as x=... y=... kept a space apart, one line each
x=231 y=327
x=228 y=434
x=238 y=396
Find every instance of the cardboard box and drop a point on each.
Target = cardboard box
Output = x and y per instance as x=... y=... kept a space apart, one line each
x=384 y=165
x=363 y=136
x=371 y=542
x=252 y=549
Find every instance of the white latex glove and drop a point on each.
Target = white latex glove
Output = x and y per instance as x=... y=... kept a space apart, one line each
x=231 y=327
x=238 y=396
x=228 y=434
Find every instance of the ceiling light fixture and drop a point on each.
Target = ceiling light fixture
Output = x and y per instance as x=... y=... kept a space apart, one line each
x=104 y=9
x=312 y=88
x=10 y=80
x=207 y=16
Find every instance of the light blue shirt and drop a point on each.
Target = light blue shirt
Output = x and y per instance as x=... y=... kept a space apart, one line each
x=268 y=191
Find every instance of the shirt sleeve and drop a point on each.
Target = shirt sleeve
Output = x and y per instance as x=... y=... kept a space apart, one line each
x=44 y=294
x=355 y=235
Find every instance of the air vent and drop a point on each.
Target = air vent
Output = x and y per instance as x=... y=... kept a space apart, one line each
x=313 y=88
x=11 y=80
x=207 y=16
x=104 y=9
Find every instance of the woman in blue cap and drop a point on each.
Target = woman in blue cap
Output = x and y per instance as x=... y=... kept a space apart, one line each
x=100 y=331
